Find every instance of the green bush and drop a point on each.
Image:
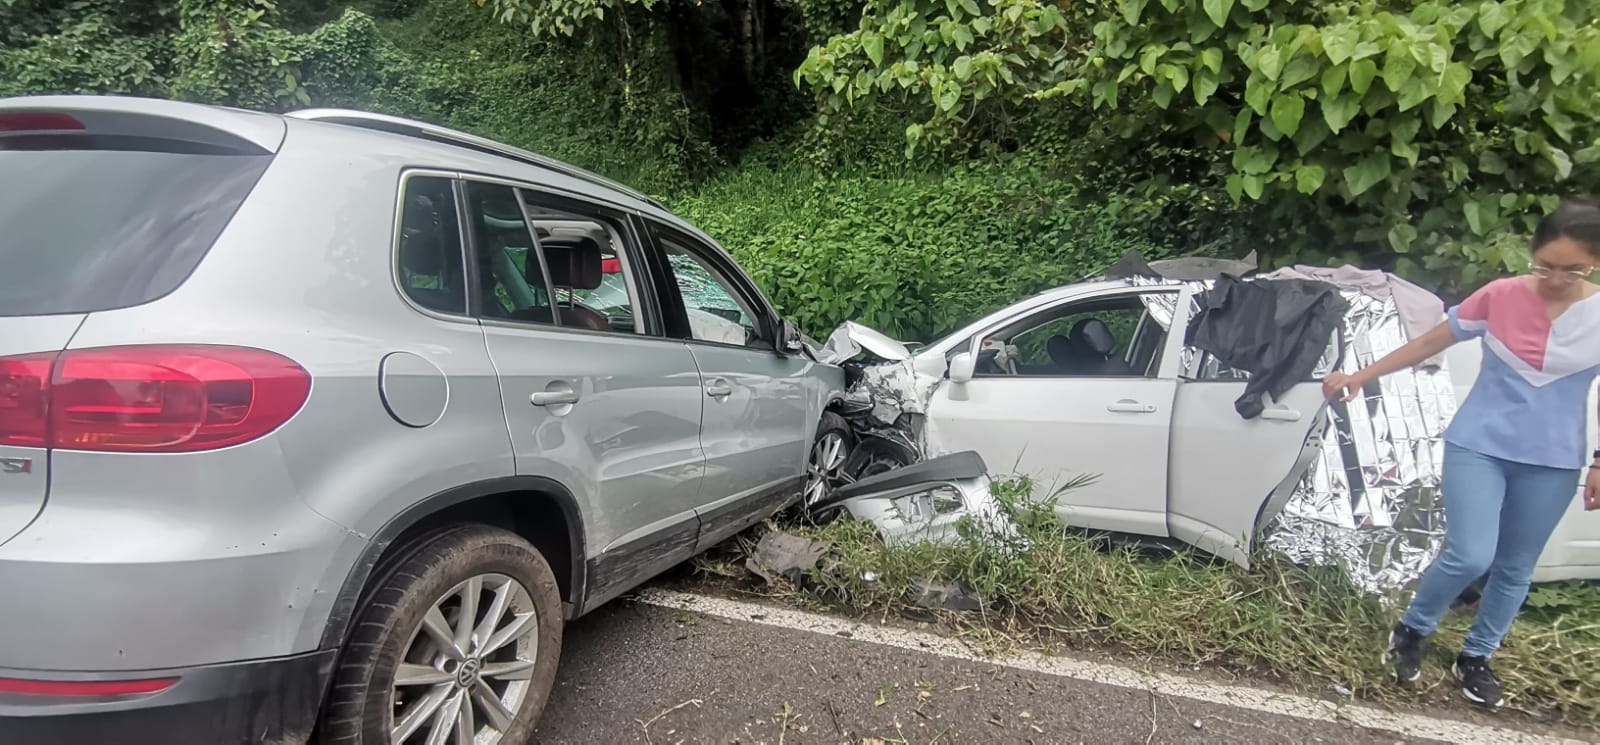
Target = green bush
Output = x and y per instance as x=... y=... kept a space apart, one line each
x=451 y=63
x=444 y=61
x=88 y=53
x=1429 y=134
x=915 y=253
x=229 y=52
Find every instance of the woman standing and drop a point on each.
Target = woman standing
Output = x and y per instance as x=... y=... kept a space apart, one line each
x=1515 y=451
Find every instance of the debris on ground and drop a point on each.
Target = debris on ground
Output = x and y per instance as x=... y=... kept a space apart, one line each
x=779 y=555
x=938 y=595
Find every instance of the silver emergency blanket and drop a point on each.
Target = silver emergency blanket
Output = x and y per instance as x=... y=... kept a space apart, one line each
x=1369 y=502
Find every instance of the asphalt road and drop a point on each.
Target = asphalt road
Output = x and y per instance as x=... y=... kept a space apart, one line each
x=634 y=673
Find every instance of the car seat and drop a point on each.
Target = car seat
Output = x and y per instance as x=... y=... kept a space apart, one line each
x=1091 y=344
x=576 y=266
x=1059 y=349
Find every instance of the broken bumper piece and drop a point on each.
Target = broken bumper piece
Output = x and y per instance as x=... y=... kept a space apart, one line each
x=927 y=501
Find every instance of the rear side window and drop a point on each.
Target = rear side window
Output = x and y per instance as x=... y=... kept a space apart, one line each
x=84 y=230
x=432 y=264
x=513 y=281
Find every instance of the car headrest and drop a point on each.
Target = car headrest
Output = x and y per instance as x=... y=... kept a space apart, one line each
x=575 y=265
x=1092 y=335
x=421 y=237
x=1059 y=348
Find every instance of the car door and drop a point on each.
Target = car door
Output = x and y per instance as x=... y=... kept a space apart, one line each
x=758 y=416
x=1226 y=472
x=1094 y=436
x=593 y=399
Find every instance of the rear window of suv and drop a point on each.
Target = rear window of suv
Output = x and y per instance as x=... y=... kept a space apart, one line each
x=84 y=230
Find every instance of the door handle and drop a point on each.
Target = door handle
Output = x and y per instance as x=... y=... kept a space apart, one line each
x=1281 y=414
x=554 y=398
x=719 y=388
x=1130 y=406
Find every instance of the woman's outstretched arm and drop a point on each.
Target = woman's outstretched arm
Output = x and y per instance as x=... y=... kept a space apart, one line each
x=1438 y=339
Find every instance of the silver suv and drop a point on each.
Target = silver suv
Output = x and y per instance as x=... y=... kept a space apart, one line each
x=321 y=425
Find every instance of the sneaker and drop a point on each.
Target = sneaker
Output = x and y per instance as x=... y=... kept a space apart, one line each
x=1405 y=649
x=1478 y=682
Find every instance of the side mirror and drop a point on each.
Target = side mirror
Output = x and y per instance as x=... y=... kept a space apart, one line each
x=790 y=341
x=962 y=367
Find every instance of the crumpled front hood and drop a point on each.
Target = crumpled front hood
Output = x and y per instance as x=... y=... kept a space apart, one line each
x=850 y=338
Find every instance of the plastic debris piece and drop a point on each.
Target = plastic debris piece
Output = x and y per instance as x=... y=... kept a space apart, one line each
x=784 y=556
x=936 y=595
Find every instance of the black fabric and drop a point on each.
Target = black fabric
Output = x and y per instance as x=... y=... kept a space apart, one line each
x=1276 y=330
x=1203 y=268
x=1132 y=264
x=1186 y=269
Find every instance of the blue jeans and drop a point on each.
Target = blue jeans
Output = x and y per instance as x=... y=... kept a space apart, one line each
x=1498 y=517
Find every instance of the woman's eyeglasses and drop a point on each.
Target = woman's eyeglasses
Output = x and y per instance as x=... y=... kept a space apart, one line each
x=1561 y=275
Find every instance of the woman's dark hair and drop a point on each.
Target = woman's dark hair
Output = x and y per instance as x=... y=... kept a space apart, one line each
x=1577 y=218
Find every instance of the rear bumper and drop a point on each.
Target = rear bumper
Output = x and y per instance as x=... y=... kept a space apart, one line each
x=266 y=702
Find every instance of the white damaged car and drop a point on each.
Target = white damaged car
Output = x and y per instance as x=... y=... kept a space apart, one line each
x=1087 y=387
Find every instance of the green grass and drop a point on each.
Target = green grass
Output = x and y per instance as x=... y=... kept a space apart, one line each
x=1303 y=627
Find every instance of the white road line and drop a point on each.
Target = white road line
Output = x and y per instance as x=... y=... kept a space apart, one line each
x=1242 y=697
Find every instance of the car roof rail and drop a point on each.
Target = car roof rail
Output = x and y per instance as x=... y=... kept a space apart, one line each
x=423 y=130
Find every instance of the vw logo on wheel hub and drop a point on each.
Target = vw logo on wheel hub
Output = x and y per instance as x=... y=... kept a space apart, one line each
x=467 y=674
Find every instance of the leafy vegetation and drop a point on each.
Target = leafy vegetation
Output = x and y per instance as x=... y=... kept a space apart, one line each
x=917 y=254
x=1045 y=138
x=1048 y=588
x=1438 y=131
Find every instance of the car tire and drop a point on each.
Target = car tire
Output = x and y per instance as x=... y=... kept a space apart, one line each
x=418 y=602
x=875 y=455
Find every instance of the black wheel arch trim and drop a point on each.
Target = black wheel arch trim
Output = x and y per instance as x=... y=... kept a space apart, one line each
x=355 y=584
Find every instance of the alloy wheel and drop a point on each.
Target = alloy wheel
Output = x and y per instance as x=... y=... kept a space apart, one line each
x=823 y=471
x=467 y=668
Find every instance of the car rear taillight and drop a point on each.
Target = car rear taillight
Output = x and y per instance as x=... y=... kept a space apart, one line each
x=611 y=266
x=147 y=399
x=24 y=400
x=38 y=121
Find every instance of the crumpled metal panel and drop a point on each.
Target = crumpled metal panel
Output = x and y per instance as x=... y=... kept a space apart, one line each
x=934 y=511
x=897 y=389
x=1370 y=501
